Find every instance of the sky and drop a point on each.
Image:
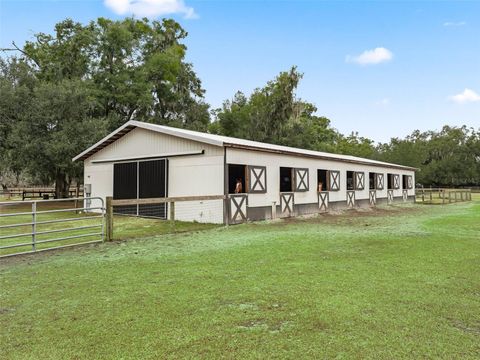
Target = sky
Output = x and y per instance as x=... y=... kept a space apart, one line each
x=382 y=69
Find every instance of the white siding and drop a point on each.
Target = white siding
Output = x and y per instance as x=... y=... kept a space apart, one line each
x=187 y=175
x=273 y=162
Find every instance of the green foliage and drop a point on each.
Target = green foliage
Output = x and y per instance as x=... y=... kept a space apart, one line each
x=273 y=114
x=69 y=88
x=450 y=157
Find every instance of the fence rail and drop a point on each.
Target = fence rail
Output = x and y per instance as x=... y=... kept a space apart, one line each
x=38 y=192
x=171 y=201
x=54 y=231
x=442 y=195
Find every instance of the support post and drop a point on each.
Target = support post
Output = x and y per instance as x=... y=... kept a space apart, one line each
x=172 y=212
x=109 y=219
x=34 y=225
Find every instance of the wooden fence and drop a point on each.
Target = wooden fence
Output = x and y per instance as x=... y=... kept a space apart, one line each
x=110 y=203
x=442 y=196
x=38 y=192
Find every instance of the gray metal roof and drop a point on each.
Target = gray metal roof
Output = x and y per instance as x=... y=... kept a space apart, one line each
x=219 y=140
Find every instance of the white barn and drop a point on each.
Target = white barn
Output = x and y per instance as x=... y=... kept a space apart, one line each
x=142 y=160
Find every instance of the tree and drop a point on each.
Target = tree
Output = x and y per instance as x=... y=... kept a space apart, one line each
x=86 y=80
x=274 y=114
x=450 y=157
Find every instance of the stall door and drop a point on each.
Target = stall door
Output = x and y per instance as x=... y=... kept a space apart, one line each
x=152 y=183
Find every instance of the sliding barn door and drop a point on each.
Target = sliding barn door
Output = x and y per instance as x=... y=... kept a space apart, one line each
x=141 y=180
x=125 y=186
x=152 y=183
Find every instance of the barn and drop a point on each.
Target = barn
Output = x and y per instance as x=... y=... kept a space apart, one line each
x=143 y=161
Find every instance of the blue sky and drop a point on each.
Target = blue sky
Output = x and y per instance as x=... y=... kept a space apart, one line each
x=383 y=69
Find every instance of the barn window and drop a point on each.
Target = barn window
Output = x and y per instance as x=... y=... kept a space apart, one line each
x=405 y=182
x=237 y=173
x=350 y=180
x=286 y=183
x=322 y=180
x=371 y=181
x=389 y=181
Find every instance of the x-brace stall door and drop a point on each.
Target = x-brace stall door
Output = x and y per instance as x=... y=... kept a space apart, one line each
x=334 y=180
x=359 y=180
x=379 y=181
x=286 y=203
x=390 y=196
x=238 y=208
x=301 y=179
x=323 y=201
x=257 y=179
x=350 y=199
x=396 y=181
x=409 y=182
x=373 y=197
x=405 y=195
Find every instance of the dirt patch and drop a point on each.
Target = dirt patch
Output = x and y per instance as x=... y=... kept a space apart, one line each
x=473 y=329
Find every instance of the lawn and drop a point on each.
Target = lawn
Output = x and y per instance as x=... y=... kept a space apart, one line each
x=397 y=282
x=89 y=223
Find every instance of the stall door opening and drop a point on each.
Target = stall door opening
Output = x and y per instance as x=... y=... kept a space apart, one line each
x=286 y=183
x=237 y=174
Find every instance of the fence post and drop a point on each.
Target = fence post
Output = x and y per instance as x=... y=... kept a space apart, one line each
x=109 y=218
x=172 y=212
x=34 y=225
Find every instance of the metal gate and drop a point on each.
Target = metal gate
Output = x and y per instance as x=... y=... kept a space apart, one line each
x=39 y=225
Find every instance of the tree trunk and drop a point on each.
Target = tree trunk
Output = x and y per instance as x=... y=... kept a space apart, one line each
x=61 y=185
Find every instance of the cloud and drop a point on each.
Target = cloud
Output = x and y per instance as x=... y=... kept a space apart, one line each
x=150 y=8
x=454 y=24
x=371 y=57
x=383 y=102
x=466 y=96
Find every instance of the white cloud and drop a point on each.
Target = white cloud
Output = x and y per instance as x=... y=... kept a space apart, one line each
x=383 y=102
x=370 y=57
x=150 y=8
x=468 y=95
x=453 y=23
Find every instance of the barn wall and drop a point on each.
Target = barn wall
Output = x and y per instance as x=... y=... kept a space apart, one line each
x=273 y=162
x=187 y=175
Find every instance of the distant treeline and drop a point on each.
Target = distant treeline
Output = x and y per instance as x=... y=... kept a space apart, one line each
x=62 y=92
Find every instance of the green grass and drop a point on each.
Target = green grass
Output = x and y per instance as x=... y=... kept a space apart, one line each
x=124 y=227
x=397 y=282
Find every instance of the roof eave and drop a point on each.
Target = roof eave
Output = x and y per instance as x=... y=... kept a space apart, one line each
x=330 y=158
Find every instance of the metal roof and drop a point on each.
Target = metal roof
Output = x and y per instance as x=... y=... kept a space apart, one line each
x=226 y=141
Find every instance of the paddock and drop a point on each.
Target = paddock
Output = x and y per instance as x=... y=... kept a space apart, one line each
x=146 y=161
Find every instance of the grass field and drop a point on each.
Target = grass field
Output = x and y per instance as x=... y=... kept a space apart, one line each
x=125 y=227
x=397 y=282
